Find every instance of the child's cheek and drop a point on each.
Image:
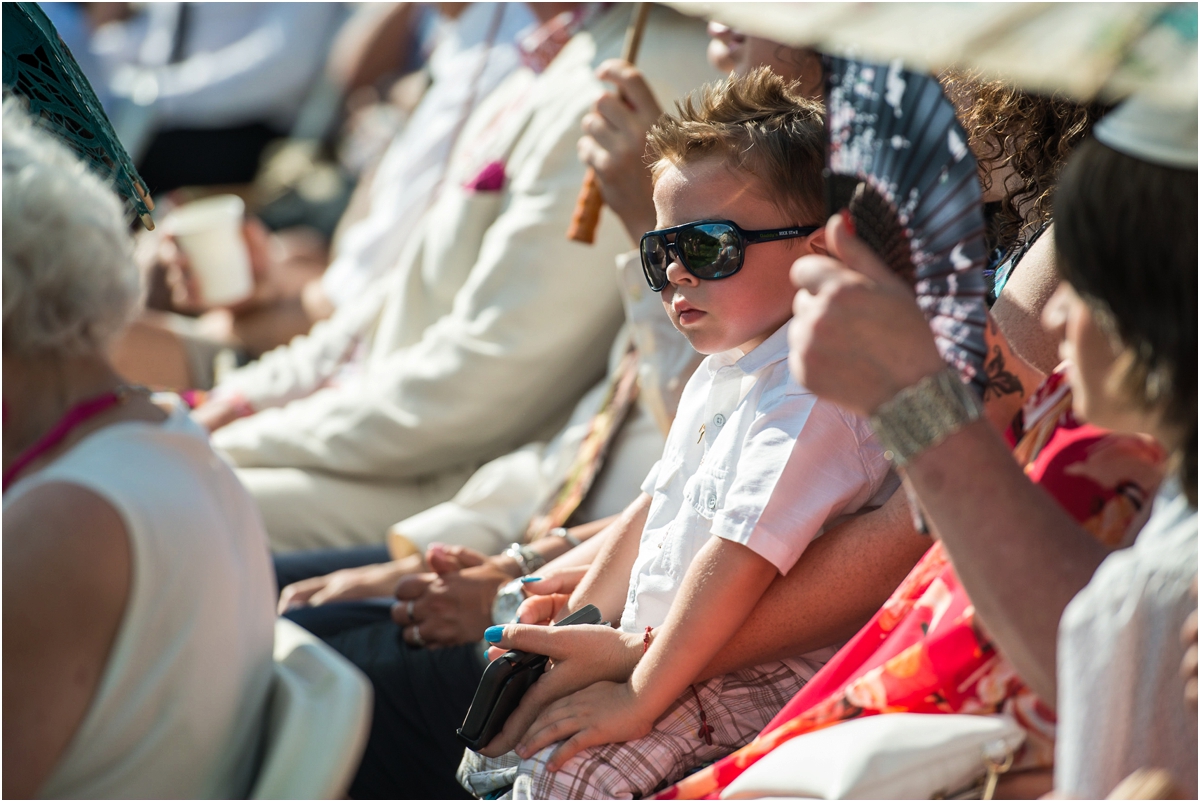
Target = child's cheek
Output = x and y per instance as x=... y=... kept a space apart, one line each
x=674 y=318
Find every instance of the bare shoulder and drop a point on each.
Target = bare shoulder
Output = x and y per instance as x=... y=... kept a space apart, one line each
x=1036 y=277
x=1018 y=310
x=67 y=574
x=67 y=568
x=59 y=526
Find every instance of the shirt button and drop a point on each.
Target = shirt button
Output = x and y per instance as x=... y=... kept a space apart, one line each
x=712 y=501
x=719 y=419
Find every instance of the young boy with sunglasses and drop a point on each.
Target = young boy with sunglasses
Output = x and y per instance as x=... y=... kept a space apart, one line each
x=752 y=457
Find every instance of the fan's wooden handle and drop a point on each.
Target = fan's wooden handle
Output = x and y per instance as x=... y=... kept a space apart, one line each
x=591 y=200
x=587 y=210
x=1147 y=783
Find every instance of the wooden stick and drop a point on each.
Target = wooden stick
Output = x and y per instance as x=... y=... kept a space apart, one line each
x=1147 y=783
x=591 y=200
x=144 y=195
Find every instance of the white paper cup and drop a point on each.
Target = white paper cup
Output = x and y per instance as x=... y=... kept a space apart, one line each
x=210 y=232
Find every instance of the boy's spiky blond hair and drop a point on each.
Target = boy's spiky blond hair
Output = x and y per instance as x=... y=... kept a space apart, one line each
x=761 y=125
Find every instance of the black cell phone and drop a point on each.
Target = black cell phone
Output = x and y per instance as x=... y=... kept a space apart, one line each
x=505 y=681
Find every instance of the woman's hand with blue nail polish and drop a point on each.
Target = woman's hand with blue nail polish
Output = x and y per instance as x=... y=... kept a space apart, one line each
x=579 y=655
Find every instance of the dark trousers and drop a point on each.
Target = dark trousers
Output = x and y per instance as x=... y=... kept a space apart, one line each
x=330 y=619
x=421 y=695
x=294 y=566
x=421 y=698
x=203 y=157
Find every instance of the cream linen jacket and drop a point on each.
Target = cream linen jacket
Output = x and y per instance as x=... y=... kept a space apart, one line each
x=496 y=504
x=492 y=324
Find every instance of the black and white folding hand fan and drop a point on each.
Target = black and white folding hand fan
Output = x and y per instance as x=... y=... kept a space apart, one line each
x=898 y=160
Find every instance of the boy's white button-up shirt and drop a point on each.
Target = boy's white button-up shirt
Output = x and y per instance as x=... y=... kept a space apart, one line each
x=755 y=458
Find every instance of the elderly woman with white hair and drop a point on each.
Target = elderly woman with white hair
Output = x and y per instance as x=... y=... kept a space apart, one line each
x=138 y=596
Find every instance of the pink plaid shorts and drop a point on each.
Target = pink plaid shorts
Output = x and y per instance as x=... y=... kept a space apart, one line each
x=736 y=706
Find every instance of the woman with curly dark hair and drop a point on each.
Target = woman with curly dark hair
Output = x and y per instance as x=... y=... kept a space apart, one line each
x=1021 y=140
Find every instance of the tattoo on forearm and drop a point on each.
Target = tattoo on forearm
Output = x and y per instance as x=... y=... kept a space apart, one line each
x=1000 y=382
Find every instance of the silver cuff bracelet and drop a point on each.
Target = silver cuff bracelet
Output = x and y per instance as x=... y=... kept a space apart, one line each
x=924 y=414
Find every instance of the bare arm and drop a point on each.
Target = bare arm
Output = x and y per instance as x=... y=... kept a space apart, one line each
x=67 y=572
x=840 y=581
x=411 y=575
x=607 y=580
x=454 y=604
x=1020 y=556
x=857 y=339
x=580 y=655
x=720 y=588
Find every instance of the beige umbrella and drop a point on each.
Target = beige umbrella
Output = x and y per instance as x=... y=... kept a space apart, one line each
x=1084 y=50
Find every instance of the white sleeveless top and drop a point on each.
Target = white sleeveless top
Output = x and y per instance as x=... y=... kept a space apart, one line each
x=179 y=708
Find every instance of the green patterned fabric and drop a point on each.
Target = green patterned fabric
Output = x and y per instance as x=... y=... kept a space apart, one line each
x=40 y=68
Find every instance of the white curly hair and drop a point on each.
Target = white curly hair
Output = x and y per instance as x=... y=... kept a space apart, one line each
x=70 y=283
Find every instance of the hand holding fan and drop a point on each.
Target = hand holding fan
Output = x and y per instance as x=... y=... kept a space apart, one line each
x=590 y=202
x=898 y=161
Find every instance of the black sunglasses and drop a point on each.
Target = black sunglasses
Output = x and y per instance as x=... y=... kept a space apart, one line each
x=708 y=249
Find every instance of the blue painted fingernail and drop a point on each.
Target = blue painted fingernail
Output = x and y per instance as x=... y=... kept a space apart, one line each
x=527 y=579
x=493 y=634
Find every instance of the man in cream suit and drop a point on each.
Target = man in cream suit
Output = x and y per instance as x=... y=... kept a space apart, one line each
x=483 y=336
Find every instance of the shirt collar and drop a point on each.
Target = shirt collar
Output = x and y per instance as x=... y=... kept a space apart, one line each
x=769 y=351
x=540 y=46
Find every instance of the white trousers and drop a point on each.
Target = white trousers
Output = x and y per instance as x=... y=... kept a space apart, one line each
x=305 y=509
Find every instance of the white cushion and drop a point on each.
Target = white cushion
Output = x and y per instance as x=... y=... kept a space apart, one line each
x=889 y=756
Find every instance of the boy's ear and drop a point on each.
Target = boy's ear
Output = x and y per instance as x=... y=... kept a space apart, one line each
x=816 y=241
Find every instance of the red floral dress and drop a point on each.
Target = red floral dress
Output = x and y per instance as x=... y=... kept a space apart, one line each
x=924 y=652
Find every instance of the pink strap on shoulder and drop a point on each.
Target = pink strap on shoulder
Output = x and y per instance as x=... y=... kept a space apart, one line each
x=74 y=417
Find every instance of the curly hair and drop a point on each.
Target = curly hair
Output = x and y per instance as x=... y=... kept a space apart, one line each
x=1032 y=134
x=70 y=283
x=761 y=125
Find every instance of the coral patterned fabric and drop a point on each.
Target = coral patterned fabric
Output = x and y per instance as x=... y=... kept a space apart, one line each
x=924 y=652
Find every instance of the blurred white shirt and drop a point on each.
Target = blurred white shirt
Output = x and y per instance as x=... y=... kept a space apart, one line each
x=1120 y=693
x=475 y=53
x=237 y=63
x=496 y=504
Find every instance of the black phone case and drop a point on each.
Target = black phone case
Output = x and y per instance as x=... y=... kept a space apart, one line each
x=504 y=682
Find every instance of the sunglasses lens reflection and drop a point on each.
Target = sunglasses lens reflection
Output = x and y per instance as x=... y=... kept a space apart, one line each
x=654 y=262
x=711 y=250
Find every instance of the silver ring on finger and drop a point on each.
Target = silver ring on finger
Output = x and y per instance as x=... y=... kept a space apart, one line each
x=417 y=640
x=408 y=611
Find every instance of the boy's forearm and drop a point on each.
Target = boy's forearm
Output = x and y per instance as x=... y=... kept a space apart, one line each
x=721 y=588
x=607 y=581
